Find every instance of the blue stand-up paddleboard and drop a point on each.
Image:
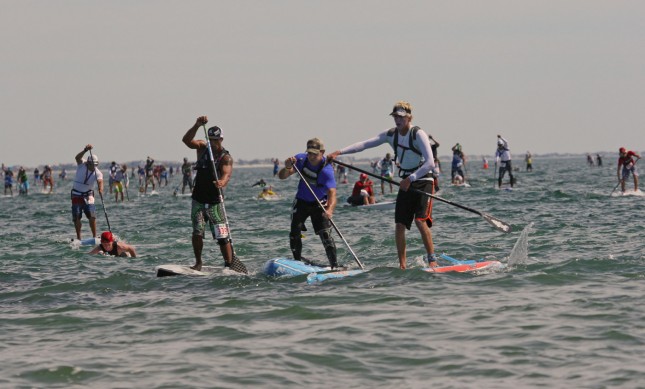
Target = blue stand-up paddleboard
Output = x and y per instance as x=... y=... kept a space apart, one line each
x=320 y=277
x=284 y=267
x=278 y=267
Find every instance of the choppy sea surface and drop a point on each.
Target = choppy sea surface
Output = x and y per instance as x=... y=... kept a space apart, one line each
x=568 y=310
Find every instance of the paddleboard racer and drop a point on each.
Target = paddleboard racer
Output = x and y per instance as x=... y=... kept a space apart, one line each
x=109 y=246
x=413 y=153
x=82 y=194
x=320 y=177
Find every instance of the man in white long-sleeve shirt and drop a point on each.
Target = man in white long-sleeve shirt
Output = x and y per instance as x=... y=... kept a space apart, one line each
x=414 y=155
x=503 y=156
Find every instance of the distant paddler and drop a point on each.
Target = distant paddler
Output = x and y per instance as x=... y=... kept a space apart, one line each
x=186 y=175
x=261 y=183
x=87 y=174
x=458 y=165
x=363 y=192
x=8 y=179
x=267 y=193
x=109 y=246
x=48 y=178
x=627 y=166
x=503 y=156
x=120 y=176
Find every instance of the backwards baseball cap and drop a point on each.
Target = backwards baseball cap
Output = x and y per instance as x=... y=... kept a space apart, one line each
x=107 y=236
x=315 y=146
x=363 y=176
x=500 y=142
x=215 y=132
x=622 y=150
x=93 y=158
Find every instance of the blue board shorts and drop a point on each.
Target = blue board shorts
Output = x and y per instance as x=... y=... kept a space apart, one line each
x=628 y=170
x=80 y=207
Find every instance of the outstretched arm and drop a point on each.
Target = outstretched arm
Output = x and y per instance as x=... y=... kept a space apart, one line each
x=360 y=146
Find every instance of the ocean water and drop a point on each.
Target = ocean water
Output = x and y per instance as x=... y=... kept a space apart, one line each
x=567 y=311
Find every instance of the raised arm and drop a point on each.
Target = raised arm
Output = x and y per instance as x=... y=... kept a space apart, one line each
x=288 y=169
x=79 y=156
x=189 y=137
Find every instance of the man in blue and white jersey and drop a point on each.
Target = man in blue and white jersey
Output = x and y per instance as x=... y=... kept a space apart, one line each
x=413 y=153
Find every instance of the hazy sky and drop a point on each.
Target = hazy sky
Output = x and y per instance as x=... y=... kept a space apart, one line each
x=131 y=76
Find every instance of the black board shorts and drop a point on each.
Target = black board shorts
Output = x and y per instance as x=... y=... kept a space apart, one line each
x=412 y=205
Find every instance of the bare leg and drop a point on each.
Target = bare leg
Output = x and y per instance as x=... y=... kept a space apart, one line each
x=426 y=236
x=399 y=235
x=635 y=183
x=77 y=227
x=93 y=226
x=198 y=245
x=227 y=253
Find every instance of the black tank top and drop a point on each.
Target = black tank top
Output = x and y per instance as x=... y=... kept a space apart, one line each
x=114 y=251
x=204 y=191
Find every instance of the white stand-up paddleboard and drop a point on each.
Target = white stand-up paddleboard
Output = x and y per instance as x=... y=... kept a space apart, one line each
x=385 y=205
x=184 y=270
x=629 y=192
x=86 y=242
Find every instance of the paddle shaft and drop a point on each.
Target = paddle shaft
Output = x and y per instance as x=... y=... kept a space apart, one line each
x=102 y=202
x=126 y=182
x=500 y=225
x=322 y=207
x=210 y=154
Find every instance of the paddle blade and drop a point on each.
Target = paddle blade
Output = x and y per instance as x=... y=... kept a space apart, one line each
x=495 y=222
x=238 y=266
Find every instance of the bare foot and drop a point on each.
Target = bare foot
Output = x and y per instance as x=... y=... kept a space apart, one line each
x=198 y=267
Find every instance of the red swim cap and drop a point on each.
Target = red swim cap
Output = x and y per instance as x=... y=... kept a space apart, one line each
x=107 y=236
